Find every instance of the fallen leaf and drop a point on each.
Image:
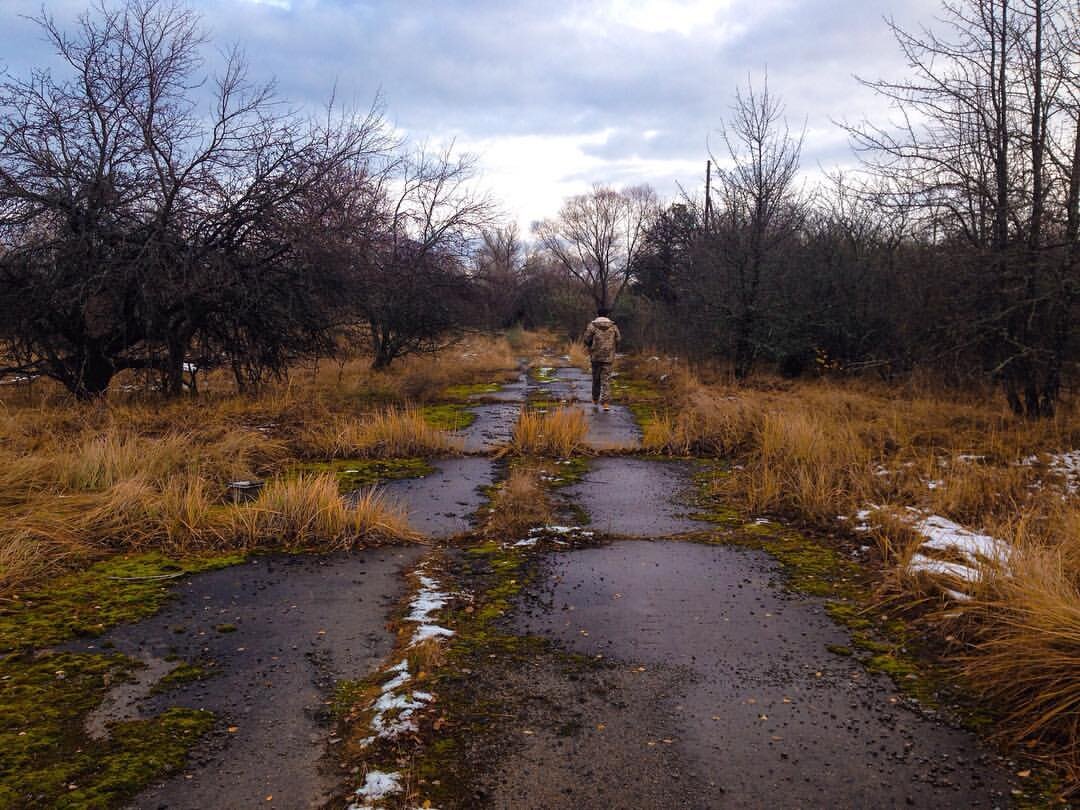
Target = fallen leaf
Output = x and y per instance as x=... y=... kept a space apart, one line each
x=1023 y=774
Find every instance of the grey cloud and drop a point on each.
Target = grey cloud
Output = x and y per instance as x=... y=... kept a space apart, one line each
x=485 y=68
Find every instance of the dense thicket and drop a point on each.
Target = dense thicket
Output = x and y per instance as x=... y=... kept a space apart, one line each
x=153 y=216
x=957 y=249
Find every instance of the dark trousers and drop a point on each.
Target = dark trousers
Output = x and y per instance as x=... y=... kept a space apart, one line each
x=601 y=382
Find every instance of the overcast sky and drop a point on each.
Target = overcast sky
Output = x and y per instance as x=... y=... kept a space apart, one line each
x=554 y=96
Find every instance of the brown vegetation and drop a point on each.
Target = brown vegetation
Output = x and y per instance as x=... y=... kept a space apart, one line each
x=559 y=432
x=519 y=504
x=818 y=452
x=78 y=482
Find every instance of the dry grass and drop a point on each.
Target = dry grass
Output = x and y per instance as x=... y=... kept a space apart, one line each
x=559 y=433
x=80 y=481
x=1025 y=628
x=578 y=354
x=519 y=504
x=816 y=450
x=386 y=433
x=309 y=511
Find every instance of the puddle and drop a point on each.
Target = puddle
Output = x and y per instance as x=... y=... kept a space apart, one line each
x=516 y=391
x=611 y=430
x=636 y=497
x=494 y=426
x=747 y=705
x=443 y=503
x=276 y=633
x=567 y=384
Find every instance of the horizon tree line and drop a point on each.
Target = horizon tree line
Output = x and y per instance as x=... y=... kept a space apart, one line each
x=137 y=232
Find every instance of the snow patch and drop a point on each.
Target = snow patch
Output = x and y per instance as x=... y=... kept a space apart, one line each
x=426 y=631
x=377 y=785
x=976 y=552
x=427 y=600
x=944 y=535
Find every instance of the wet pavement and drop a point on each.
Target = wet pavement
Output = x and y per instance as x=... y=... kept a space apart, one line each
x=493 y=427
x=516 y=391
x=697 y=680
x=637 y=497
x=725 y=695
x=274 y=635
x=443 y=503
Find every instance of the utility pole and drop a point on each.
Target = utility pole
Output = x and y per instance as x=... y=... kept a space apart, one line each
x=708 y=194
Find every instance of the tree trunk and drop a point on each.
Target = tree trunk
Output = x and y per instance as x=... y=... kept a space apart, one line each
x=94 y=373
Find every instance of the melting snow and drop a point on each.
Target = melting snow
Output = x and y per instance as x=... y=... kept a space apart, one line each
x=426 y=631
x=396 y=704
x=377 y=785
x=427 y=601
x=976 y=550
x=944 y=535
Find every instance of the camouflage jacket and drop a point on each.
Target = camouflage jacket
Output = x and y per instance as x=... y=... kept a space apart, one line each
x=602 y=340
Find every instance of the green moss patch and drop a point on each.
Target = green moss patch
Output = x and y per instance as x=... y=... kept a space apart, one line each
x=46 y=759
x=543 y=374
x=566 y=472
x=645 y=402
x=448 y=416
x=120 y=589
x=354 y=473
x=466 y=391
x=183 y=674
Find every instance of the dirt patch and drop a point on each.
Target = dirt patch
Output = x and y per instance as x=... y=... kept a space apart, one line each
x=262 y=645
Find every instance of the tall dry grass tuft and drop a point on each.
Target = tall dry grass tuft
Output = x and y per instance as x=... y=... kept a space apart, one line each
x=387 y=433
x=705 y=421
x=559 y=433
x=578 y=354
x=807 y=462
x=308 y=511
x=519 y=504
x=1025 y=626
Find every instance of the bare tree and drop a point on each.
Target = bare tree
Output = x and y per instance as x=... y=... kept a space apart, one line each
x=986 y=141
x=757 y=211
x=597 y=237
x=498 y=274
x=413 y=282
x=136 y=226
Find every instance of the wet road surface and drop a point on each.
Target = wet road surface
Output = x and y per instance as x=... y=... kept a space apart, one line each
x=636 y=497
x=493 y=427
x=442 y=504
x=724 y=695
x=274 y=635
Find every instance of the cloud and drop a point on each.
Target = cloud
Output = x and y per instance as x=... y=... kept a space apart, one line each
x=557 y=95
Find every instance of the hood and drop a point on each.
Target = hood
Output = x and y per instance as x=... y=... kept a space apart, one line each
x=603 y=323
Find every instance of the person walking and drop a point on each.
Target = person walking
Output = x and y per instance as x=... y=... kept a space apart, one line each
x=602 y=340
